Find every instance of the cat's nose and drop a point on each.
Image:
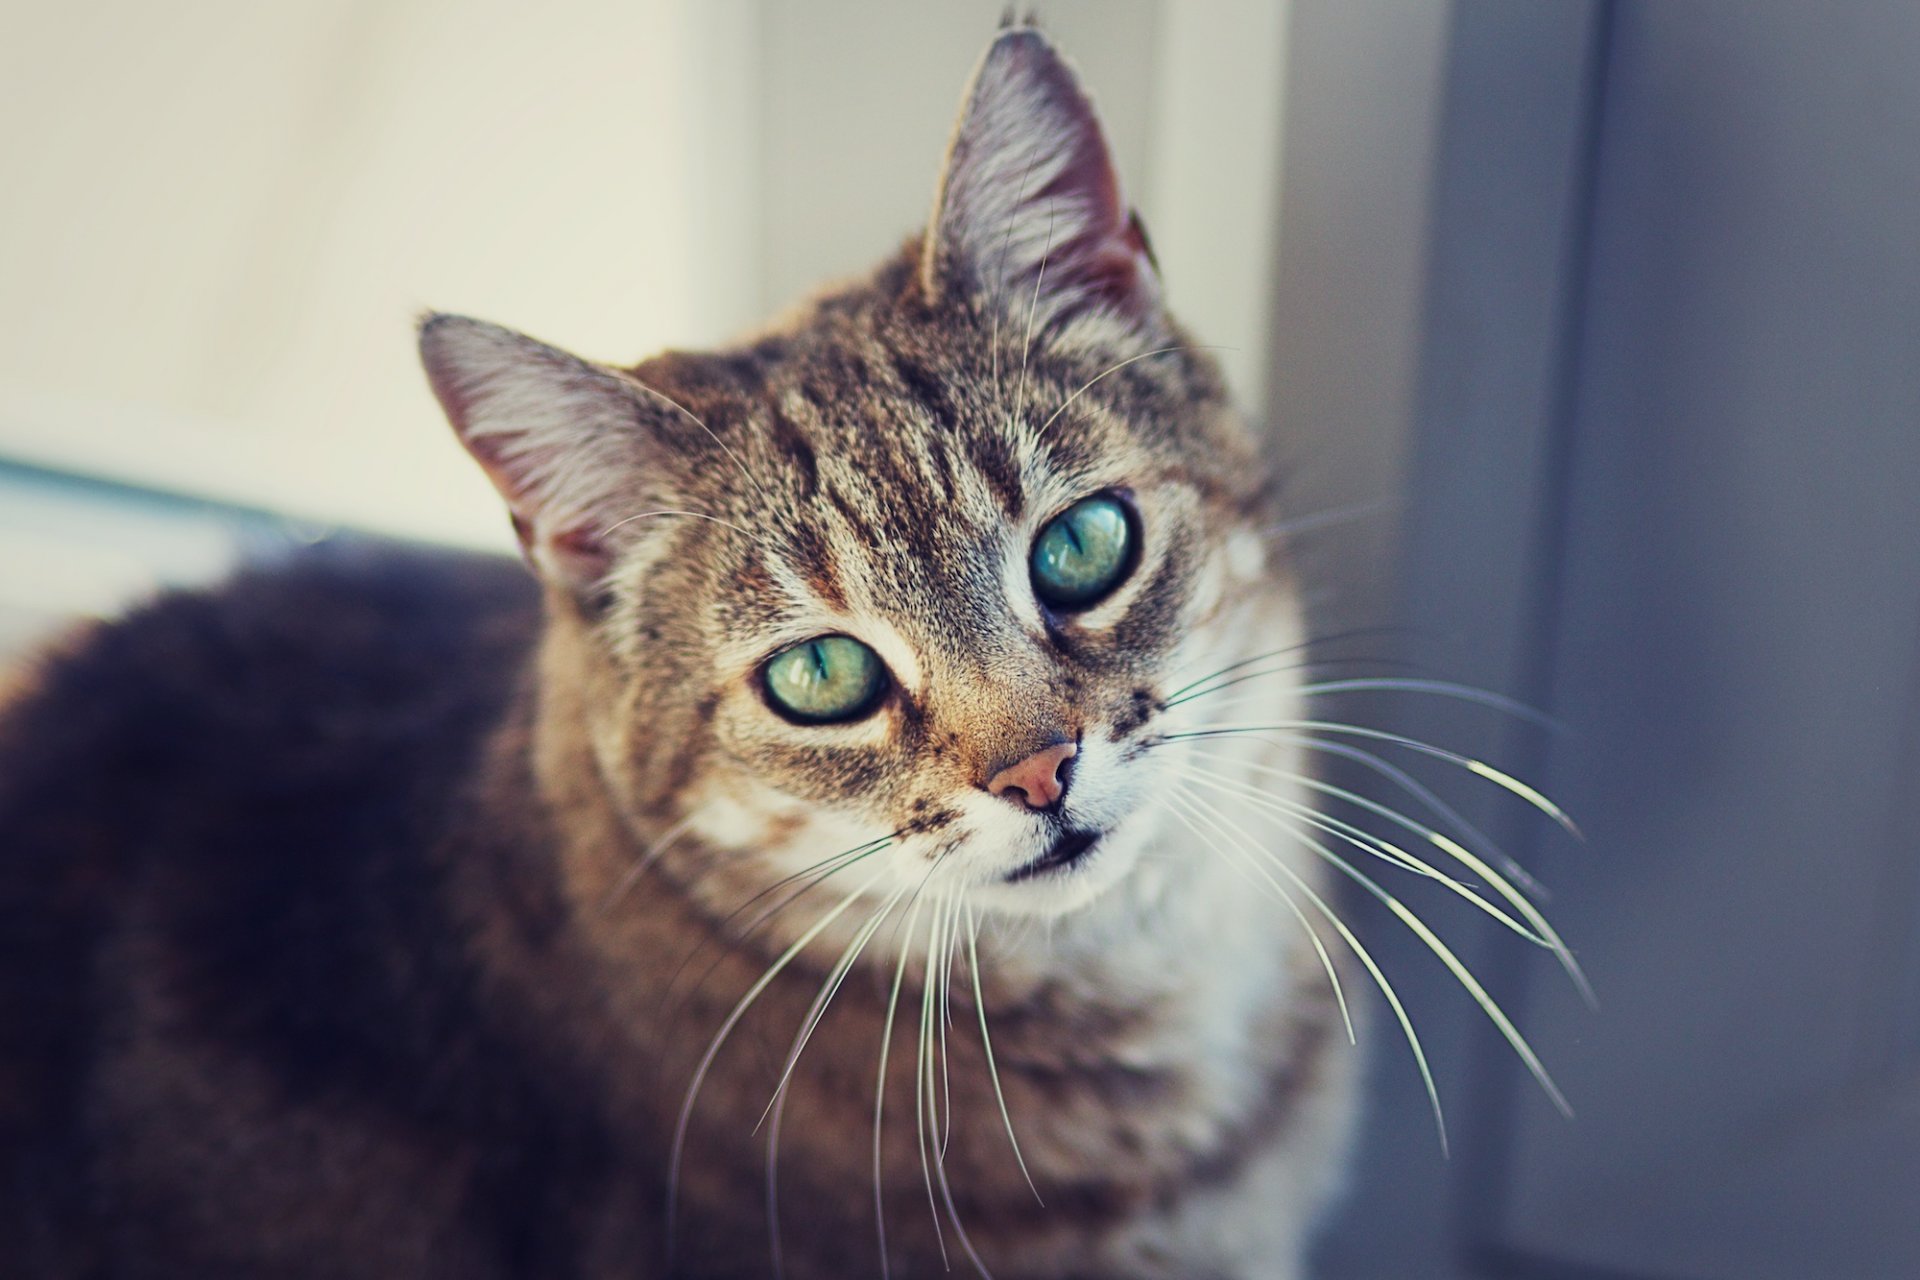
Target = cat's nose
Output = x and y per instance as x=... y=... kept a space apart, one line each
x=1039 y=781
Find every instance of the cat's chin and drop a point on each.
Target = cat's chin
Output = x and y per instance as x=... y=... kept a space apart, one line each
x=1066 y=875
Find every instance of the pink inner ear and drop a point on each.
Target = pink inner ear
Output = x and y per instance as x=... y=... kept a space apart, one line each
x=578 y=550
x=1107 y=263
x=583 y=545
x=579 y=556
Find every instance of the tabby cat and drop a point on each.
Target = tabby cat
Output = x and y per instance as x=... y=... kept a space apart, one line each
x=832 y=860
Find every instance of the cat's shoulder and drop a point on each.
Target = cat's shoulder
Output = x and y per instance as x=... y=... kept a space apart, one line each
x=346 y=666
x=299 y=647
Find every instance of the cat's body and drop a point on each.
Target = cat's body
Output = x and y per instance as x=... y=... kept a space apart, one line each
x=374 y=915
x=308 y=998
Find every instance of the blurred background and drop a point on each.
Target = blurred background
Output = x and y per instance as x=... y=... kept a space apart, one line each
x=1586 y=332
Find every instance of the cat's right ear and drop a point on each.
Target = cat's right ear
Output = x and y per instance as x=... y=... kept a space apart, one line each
x=562 y=439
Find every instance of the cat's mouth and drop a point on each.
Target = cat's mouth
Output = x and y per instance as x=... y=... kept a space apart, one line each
x=1069 y=850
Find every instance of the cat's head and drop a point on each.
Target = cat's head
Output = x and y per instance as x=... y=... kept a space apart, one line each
x=925 y=562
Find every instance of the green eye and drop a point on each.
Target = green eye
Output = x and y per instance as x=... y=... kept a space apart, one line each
x=824 y=679
x=1083 y=553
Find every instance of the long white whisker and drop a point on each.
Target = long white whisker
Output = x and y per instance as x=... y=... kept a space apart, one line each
x=777 y=1105
x=1479 y=767
x=1453 y=963
x=645 y=860
x=986 y=1044
x=950 y=918
x=1323 y=639
x=1190 y=764
x=1427 y=797
x=690 y=515
x=1117 y=367
x=661 y=395
x=880 y=1087
x=1313 y=935
x=1366 y=842
x=929 y=1012
x=1380 y=980
x=1438 y=688
x=1331 y=516
x=1258 y=673
x=1033 y=308
x=813 y=876
x=726 y=1028
x=1000 y=283
x=1459 y=853
x=923 y=1087
x=829 y=987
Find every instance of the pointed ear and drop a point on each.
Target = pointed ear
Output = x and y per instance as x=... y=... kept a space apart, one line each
x=563 y=440
x=1030 y=213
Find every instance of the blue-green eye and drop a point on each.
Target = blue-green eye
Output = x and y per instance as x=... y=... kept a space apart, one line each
x=1083 y=553
x=824 y=679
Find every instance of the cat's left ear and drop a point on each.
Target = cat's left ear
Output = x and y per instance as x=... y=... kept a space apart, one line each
x=568 y=443
x=1030 y=214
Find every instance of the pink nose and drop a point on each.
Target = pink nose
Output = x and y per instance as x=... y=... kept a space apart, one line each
x=1039 y=781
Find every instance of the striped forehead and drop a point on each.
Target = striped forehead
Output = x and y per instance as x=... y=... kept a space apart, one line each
x=908 y=487
x=923 y=523
x=923 y=534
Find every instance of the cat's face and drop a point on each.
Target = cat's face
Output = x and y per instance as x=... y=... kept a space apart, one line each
x=923 y=565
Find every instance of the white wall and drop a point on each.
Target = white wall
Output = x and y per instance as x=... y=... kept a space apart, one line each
x=222 y=216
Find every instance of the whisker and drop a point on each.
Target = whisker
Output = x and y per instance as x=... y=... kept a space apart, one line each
x=1033 y=308
x=940 y=1164
x=1503 y=780
x=986 y=1044
x=1380 y=980
x=1311 y=667
x=1547 y=935
x=1453 y=963
x=839 y=862
x=1117 y=367
x=1332 y=516
x=829 y=988
x=1329 y=638
x=880 y=1088
x=1000 y=283
x=948 y=919
x=690 y=515
x=922 y=1087
x=1366 y=842
x=927 y=1104
x=1427 y=797
x=1441 y=688
x=777 y=1105
x=1313 y=934
x=645 y=860
x=1397 y=684
x=726 y=1029
x=661 y=395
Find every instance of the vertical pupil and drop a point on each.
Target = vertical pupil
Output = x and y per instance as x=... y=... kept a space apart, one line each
x=819 y=660
x=1082 y=553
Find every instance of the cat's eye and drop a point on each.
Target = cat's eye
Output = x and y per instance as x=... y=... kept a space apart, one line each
x=1083 y=553
x=825 y=679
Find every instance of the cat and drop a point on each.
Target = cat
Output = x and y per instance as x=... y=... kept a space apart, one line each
x=831 y=860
